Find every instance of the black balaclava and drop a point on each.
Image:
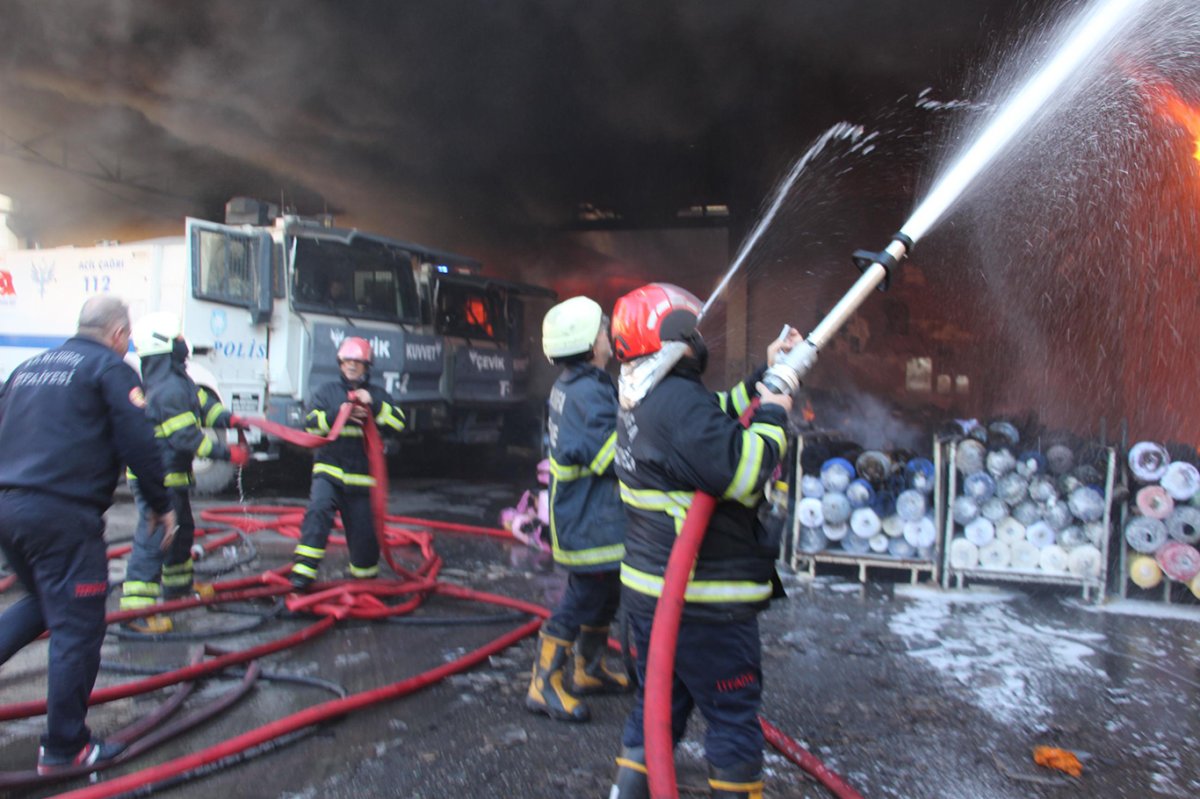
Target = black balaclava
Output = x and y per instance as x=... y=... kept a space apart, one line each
x=179 y=351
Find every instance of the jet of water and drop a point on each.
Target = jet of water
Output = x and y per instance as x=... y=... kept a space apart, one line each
x=842 y=130
x=1094 y=29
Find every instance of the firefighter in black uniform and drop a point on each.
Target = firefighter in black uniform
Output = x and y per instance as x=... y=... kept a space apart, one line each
x=178 y=410
x=341 y=472
x=587 y=521
x=70 y=418
x=675 y=438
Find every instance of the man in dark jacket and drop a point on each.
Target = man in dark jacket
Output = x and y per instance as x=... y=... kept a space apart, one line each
x=178 y=410
x=69 y=419
x=341 y=470
x=674 y=439
x=587 y=521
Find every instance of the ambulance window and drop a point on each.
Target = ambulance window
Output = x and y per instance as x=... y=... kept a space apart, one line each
x=225 y=268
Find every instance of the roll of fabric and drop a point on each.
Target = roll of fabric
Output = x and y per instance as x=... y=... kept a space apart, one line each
x=1184 y=524
x=1148 y=461
x=1031 y=463
x=899 y=548
x=808 y=510
x=910 y=505
x=979 y=486
x=1060 y=459
x=1154 y=502
x=919 y=475
x=1057 y=515
x=811 y=486
x=964 y=510
x=893 y=526
x=980 y=532
x=1042 y=489
x=836 y=474
x=1096 y=533
x=1041 y=535
x=963 y=554
x=1053 y=559
x=1145 y=535
x=873 y=465
x=865 y=523
x=879 y=543
x=1179 y=561
x=1086 y=504
x=993 y=510
x=1024 y=555
x=835 y=508
x=1181 y=481
x=1027 y=512
x=1084 y=561
x=1012 y=488
x=1009 y=530
x=995 y=556
x=812 y=539
x=835 y=532
x=969 y=457
x=1000 y=462
x=1072 y=536
x=855 y=545
x=1145 y=572
x=860 y=493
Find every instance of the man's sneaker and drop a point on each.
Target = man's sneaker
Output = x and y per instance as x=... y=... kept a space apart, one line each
x=150 y=625
x=93 y=753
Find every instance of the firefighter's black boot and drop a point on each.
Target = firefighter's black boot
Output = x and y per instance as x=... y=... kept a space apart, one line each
x=593 y=674
x=631 y=781
x=547 y=688
x=740 y=781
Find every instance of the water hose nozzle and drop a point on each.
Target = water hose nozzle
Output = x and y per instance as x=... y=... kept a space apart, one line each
x=790 y=367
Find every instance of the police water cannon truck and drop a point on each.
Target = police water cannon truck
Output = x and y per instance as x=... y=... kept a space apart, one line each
x=266 y=298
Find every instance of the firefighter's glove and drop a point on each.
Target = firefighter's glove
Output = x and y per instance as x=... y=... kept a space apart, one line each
x=239 y=455
x=239 y=422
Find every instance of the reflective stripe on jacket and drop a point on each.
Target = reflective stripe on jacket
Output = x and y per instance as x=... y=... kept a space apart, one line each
x=587 y=521
x=344 y=461
x=681 y=439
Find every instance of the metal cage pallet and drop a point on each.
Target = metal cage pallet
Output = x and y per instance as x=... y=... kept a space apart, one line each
x=1087 y=584
x=866 y=562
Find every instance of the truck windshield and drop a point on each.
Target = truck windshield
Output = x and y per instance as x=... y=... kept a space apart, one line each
x=363 y=279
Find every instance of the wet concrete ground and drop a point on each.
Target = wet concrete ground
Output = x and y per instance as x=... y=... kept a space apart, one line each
x=905 y=691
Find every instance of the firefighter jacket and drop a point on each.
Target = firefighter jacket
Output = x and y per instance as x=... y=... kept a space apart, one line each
x=587 y=520
x=69 y=419
x=344 y=462
x=682 y=439
x=179 y=411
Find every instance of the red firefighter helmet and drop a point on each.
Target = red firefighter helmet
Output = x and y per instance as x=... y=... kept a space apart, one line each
x=354 y=349
x=644 y=318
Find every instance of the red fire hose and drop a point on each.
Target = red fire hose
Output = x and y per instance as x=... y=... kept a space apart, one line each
x=660 y=665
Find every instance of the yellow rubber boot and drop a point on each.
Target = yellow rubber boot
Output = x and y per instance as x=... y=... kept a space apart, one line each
x=742 y=781
x=151 y=625
x=547 y=688
x=593 y=674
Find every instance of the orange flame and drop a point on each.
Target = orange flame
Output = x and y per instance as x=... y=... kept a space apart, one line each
x=807 y=412
x=1168 y=104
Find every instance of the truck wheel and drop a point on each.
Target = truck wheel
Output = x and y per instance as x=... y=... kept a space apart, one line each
x=212 y=477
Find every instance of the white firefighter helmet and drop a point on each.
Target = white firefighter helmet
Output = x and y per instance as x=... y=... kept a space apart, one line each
x=155 y=333
x=570 y=328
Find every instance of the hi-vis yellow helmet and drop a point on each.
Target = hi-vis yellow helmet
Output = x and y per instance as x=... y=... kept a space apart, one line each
x=571 y=327
x=155 y=333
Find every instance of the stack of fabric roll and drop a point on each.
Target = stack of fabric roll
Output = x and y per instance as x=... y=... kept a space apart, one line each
x=878 y=505
x=1025 y=510
x=1163 y=524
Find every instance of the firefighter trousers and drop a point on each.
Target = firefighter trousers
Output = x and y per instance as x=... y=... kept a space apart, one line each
x=327 y=498
x=149 y=566
x=590 y=599
x=56 y=549
x=718 y=669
